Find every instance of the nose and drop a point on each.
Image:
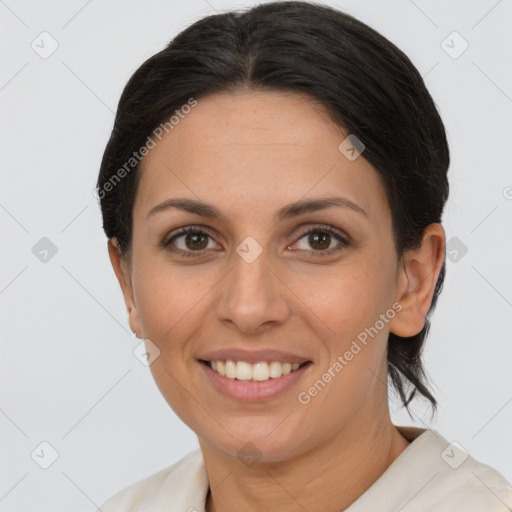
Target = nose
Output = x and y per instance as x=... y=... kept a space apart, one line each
x=252 y=297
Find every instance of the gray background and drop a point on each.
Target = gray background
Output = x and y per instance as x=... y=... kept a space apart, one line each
x=67 y=372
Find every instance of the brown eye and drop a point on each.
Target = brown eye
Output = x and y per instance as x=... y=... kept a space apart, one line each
x=321 y=241
x=196 y=241
x=187 y=241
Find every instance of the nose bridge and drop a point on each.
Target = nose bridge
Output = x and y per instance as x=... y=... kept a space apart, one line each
x=251 y=295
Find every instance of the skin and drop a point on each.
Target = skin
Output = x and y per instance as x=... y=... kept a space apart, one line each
x=249 y=154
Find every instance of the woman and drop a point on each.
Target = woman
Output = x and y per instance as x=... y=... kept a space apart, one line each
x=272 y=193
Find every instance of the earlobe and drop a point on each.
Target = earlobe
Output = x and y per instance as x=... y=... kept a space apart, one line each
x=124 y=278
x=416 y=281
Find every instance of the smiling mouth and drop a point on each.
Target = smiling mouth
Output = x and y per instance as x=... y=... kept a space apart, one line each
x=259 y=372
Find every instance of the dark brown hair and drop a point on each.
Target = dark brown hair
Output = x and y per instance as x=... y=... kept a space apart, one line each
x=368 y=86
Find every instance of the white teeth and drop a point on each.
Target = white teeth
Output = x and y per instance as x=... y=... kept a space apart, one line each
x=276 y=370
x=230 y=369
x=241 y=370
x=260 y=371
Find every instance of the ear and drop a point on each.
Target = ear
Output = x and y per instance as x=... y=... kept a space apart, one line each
x=416 y=281
x=122 y=272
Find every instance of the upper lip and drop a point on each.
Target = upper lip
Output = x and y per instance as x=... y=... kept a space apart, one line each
x=252 y=356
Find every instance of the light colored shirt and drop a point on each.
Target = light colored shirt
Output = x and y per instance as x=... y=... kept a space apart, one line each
x=430 y=475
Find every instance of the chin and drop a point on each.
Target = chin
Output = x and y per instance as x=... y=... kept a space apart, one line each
x=262 y=443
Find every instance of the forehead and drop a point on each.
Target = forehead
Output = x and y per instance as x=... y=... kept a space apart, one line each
x=256 y=150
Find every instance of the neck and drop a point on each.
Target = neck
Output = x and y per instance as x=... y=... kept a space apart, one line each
x=327 y=478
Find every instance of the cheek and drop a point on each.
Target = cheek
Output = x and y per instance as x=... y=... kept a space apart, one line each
x=356 y=340
x=349 y=299
x=171 y=304
x=350 y=302
x=170 y=301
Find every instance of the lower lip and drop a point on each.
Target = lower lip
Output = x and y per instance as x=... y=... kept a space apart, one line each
x=249 y=391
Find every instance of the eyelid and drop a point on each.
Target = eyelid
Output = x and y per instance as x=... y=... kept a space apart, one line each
x=344 y=241
x=184 y=230
x=324 y=227
x=307 y=228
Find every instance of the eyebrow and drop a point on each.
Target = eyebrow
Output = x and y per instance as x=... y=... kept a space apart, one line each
x=287 y=212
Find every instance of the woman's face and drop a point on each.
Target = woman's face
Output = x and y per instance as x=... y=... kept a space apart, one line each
x=266 y=276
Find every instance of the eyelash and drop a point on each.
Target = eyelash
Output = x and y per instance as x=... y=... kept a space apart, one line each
x=166 y=243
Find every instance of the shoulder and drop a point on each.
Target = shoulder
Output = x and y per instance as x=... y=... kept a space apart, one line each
x=183 y=484
x=457 y=481
x=475 y=486
x=433 y=474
